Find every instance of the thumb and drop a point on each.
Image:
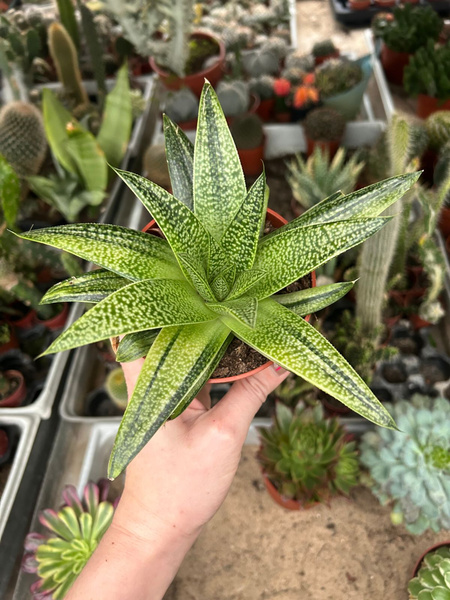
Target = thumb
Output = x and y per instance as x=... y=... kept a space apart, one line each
x=239 y=406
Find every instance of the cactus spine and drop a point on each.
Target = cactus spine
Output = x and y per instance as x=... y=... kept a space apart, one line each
x=22 y=137
x=64 y=55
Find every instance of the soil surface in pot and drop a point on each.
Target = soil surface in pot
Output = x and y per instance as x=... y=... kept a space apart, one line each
x=255 y=550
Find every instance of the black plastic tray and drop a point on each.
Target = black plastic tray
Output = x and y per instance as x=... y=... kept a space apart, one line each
x=361 y=18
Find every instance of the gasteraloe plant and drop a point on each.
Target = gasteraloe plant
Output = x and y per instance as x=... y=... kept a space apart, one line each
x=213 y=278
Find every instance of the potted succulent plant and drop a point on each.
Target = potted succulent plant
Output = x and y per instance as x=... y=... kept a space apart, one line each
x=323 y=51
x=12 y=388
x=182 y=108
x=427 y=76
x=263 y=88
x=305 y=458
x=212 y=278
x=305 y=98
x=248 y=134
x=431 y=577
x=409 y=467
x=116 y=387
x=324 y=127
x=282 y=89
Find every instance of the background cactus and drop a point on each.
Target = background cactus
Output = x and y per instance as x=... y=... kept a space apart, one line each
x=155 y=166
x=182 y=106
x=324 y=124
x=262 y=87
x=22 y=137
x=323 y=48
x=117 y=388
x=233 y=97
x=428 y=72
x=247 y=131
x=337 y=76
x=411 y=467
x=262 y=62
x=433 y=578
x=438 y=129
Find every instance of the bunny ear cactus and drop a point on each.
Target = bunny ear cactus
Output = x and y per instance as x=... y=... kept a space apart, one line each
x=212 y=278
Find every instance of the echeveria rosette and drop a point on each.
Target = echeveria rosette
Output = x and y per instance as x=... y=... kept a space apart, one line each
x=432 y=582
x=74 y=532
x=410 y=468
x=213 y=277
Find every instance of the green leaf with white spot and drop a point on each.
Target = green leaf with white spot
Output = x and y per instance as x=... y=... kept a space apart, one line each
x=132 y=254
x=291 y=342
x=136 y=307
x=136 y=345
x=90 y=287
x=180 y=160
x=244 y=281
x=195 y=273
x=311 y=300
x=242 y=309
x=178 y=365
x=219 y=184
x=223 y=282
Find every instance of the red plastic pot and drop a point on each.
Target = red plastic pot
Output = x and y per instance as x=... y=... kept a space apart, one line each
x=325 y=146
x=435 y=547
x=251 y=159
x=283 y=117
x=321 y=59
x=194 y=82
x=282 y=500
x=58 y=321
x=394 y=64
x=417 y=322
x=25 y=322
x=11 y=344
x=427 y=105
x=266 y=109
x=17 y=396
x=385 y=3
x=359 y=4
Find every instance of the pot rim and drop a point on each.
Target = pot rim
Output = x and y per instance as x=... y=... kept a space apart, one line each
x=430 y=549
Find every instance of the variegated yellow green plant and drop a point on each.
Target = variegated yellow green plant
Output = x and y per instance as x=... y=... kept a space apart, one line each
x=213 y=277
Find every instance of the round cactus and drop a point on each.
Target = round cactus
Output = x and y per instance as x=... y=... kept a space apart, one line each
x=411 y=467
x=117 y=388
x=22 y=137
x=233 y=97
x=337 y=76
x=324 y=124
x=247 y=131
x=182 y=106
x=263 y=62
x=155 y=165
x=438 y=129
x=262 y=87
x=433 y=579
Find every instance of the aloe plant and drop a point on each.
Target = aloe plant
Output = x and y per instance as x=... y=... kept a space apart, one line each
x=212 y=278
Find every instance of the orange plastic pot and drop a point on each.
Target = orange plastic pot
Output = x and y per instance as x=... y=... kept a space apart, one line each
x=427 y=105
x=251 y=159
x=16 y=397
x=359 y=4
x=385 y=3
x=325 y=146
x=394 y=64
x=195 y=81
x=288 y=503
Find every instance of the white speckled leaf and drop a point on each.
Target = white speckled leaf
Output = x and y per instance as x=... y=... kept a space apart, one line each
x=241 y=238
x=243 y=309
x=219 y=184
x=305 y=302
x=136 y=307
x=195 y=273
x=223 y=283
x=136 y=345
x=176 y=368
x=245 y=281
x=133 y=254
x=180 y=160
x=304 y=249
x=288 y=340
x=90 y=287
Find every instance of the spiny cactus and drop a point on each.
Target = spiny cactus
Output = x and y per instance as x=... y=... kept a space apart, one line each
x=64 y=55
x=438 y=129
x=306 y=457
x=324 y=124
x=433 y=578
x=247 y=132
x=117 y=388
x=22 y=137
x=276 y=46
x=305 y=62
x=411 y=466
x=318 y=178
x=428 y=72
x=155 y=166
x=337 y=76
x=233 y=97
x=324 y=48
x=182 y=106
x=262 y=62
x=262 y=86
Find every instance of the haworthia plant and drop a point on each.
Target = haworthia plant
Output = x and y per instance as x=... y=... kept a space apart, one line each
x=212 y=278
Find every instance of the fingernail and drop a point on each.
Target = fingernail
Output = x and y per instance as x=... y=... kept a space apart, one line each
x=278 y=370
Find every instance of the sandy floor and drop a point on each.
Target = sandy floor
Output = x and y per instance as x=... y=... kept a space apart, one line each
x=255 y=550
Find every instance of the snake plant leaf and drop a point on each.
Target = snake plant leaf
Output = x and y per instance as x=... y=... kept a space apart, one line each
x=241 y=238
x=90 y=287
x=177 y=366
x=136 y=345
x=117 y=121
x=88 y=158
x=180 y=160
x=196 y=275
x=219 y=184
x=244 y=281
x=291 y=342
x=129 y=253
x=306 y=248
x=223 y=282
x=139 y=306
x=56 y=121
x=311 y=300
x=242 y=309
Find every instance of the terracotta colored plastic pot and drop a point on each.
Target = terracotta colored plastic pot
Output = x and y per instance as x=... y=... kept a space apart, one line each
x=325 y=146
x=281 y=500
x=25 y=322
x=359 y=4
x=58 y=321
x=19 y=394
x=444 y=222
x=251 y=159
x=394 y=64
x=283 y=117
x=427 y=105
x=188 y=125
x=266 y=109
x=435 y=547
x=194 y=82
x=417 y=322
x=321 y=59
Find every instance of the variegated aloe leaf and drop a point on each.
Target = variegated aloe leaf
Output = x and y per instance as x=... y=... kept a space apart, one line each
x=90 y=287
x=177 y=366
x=219 y=184
x=180 y=160
x=304 y=249
x=311 y=300
x=136 y=307
x=244 y=281
x=129 y=253
x=242 y=309
x=195 y=272
x=136 y=345
x=222 y=284
x=291 y=342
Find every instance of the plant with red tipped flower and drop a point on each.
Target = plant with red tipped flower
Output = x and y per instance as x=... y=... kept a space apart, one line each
x=282 y=87
x=76 y=529
x=305 y=96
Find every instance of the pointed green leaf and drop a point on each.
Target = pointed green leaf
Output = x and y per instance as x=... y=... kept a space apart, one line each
x=304 y=249
x=180 y=160
x=241 y=238
x=195 y=273
x=88 y=158
x=9 y=192
x=222 y=284
x=177 y=366
x=219 y=184
x=243 y=309
x=136 y=307
x=136 y=345
x=90 y=287
x=56 y=121
x=244 y=281
x=52 y=520
x=133 y=254
x=311 y=300
x=291 y=342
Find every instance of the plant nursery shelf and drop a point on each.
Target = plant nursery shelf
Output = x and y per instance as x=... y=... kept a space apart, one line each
x=361 y=18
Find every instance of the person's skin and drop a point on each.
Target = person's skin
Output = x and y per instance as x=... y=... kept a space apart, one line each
x=173 y=487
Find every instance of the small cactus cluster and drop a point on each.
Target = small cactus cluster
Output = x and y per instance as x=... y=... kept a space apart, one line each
x=116 y=388
x=234 y=97
x=324 y=48
x=324 y=124
x=247 y=131
x=262 y=87
x=411 y=467
x=22 y=137
x=307 y=457
x=433 y=578
x=182 y=106
x=438 y=129
x=337 y=76
x=155 y=166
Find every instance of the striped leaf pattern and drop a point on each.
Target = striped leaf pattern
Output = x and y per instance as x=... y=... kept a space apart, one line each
x=311 y=300
x=90 y=287
x=136 y=345
x=180 y=160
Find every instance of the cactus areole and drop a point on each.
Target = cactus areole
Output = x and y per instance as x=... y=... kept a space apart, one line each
x=213 y=278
